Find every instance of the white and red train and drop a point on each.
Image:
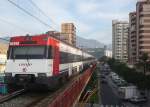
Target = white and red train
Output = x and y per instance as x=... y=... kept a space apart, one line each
x=42 y=60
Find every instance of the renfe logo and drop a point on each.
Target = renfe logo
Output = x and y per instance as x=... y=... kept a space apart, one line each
x=24 y=69
x=25 y=64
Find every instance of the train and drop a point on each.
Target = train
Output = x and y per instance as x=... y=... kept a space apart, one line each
x=43 y=60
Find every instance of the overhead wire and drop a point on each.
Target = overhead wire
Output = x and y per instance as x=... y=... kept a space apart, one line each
x=35 y=17
x=40 y=10
x=12 y=24
x=30 y=14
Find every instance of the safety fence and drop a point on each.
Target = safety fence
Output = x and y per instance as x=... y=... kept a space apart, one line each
x=71 y=94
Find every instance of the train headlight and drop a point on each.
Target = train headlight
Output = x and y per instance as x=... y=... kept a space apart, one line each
x=41 y=74
x=8 y=74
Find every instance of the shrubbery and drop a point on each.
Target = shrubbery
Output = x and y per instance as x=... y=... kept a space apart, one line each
x=130 y=75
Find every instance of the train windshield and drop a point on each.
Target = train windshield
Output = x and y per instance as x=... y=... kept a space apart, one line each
x=27 y=52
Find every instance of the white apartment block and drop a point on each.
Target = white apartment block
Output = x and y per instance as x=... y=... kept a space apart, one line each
x=108 y=53
x=120 y=32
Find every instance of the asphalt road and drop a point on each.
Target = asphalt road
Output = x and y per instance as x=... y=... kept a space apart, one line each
x=108 y=97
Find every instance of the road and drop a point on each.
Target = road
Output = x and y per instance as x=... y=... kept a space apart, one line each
x=108 y=97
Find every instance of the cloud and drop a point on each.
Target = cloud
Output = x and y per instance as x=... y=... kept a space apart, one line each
x=108 y=9
x=87 y=7
x=102 y=36
x=92 y=18
x=60 y=14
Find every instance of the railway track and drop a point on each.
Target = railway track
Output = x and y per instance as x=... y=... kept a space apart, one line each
x=23 y=98
x=26 y=99
x=11 y=95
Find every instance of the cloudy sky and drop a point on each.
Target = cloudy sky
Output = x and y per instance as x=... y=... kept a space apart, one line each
x=91 y=17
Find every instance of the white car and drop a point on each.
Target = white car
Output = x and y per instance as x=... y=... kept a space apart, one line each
x=137 y=99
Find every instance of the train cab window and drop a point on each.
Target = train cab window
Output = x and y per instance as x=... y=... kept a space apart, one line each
x=27 y=52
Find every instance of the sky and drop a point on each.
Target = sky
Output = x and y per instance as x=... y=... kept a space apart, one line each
x=92 y=18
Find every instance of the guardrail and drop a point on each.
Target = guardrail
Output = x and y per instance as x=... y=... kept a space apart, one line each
x=71 y=94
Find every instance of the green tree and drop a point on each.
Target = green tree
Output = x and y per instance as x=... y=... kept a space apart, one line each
x=143 y=61
x=103 y=59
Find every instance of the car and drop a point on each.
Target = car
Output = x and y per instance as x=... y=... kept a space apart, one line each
x=119 y=83
x=124 y=83
x=106 y=72
x=138 y=99
x=103 y=82
x=102 y=76
x=116 y=80
x=114 y=76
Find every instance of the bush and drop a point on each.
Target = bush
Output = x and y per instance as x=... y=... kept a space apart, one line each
x=130 y=75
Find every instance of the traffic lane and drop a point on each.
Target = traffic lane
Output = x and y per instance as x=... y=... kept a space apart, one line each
x=108 y=97
x=114 y=88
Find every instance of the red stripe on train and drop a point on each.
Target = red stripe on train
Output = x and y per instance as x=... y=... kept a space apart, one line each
x=56 y=55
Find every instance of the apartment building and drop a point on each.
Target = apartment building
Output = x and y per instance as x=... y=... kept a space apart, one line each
x=108 y=53
x=132 y=38
x=143 y=27
x=120 y=31
x=68 y=33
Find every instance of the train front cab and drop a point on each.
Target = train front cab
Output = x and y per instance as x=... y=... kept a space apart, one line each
x=32 y=64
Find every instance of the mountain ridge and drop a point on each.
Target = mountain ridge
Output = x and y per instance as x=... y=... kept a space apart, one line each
x=88 y=43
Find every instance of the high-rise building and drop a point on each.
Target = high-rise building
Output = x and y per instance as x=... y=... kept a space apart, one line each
x=120 y=31
x=108 y=53
x=132 y=38
x=143 y=27
x=68 y=33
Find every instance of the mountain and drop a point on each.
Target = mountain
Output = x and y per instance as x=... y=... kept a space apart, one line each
x=4 y=40
x=97 y=52
x=88 y=43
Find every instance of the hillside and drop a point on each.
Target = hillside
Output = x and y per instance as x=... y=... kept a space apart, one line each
x=88 y=43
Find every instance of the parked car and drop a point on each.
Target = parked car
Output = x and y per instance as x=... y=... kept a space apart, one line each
x=116 y=80
x=119 y=83
x=106 y=72
x=113 y=75
x=104 y=81
x=102 y=76
x=138 y=99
